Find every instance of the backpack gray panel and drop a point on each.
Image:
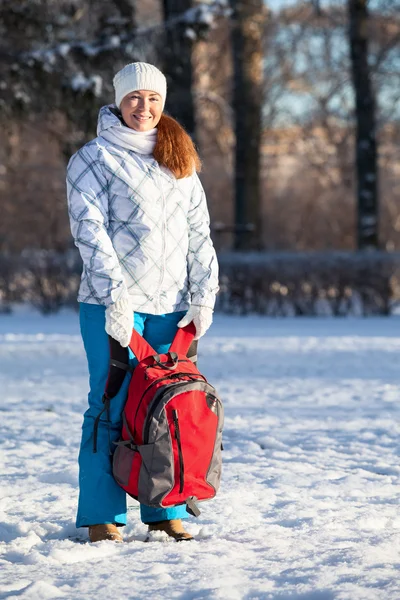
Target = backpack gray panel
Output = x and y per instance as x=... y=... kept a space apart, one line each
x=213 y=476
x=122 y=464
x=156 y=477
x=176 y=389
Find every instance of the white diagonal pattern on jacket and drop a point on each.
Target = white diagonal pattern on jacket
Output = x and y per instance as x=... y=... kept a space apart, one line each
x=139 y=229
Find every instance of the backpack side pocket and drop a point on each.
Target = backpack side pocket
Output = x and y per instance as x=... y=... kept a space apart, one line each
x=126 y=462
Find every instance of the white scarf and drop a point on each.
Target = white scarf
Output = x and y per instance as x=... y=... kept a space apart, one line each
x=142 y=142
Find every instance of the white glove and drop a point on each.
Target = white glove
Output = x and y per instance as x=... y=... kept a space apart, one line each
x=119 y=321
x=201 y=316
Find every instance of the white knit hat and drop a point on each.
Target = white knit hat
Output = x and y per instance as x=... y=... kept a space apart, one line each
x=139 y=76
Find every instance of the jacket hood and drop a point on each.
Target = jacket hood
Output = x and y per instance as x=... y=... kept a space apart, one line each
x=108 y=117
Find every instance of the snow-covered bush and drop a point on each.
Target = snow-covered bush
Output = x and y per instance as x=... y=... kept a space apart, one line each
x=54 y=279
x=309 y=283
x=46 y=279
x=270 y=283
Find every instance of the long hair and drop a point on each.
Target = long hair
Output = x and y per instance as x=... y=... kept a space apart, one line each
x=174 y=148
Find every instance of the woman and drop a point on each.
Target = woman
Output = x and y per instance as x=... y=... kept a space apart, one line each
x=139 y=217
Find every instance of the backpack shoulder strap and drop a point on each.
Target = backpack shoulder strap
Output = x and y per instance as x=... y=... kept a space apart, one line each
x=119 y=358
x=183 y=339
x=140 y=348
x=119 y=361
x=119 y=365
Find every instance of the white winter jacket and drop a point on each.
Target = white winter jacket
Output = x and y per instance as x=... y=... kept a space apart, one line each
x=139 y=229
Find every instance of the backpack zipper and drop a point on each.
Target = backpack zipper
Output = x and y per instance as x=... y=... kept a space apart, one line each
x=180 y=453
x=156 y=401
x=160 y=398
x=165 y=378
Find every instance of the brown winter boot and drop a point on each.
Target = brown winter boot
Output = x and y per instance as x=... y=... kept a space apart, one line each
x=173 y=528
x=107 y=531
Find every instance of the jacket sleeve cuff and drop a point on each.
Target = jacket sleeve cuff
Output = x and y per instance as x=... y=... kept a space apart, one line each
x=207 y=300
x=117 y=294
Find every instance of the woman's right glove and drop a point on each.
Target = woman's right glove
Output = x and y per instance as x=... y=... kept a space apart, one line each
x=119 y=321
x=201 y=316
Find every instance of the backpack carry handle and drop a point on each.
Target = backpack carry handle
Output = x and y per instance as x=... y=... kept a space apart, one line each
x=183 y=338
x=119 y=362
x=173 y=361
x=180 y=344
x=119 y=365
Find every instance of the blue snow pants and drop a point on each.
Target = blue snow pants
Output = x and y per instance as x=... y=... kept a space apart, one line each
x=101 y=499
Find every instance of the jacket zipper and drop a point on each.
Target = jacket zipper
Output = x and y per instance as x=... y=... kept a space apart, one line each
x=164 y=233
x=180 y=453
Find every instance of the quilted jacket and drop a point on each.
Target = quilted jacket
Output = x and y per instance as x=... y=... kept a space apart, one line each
x=139 y=230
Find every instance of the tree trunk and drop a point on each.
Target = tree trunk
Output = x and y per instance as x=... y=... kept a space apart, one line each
x=366 y=151
x=127 y=10
x=247 y=31
x=177 y=65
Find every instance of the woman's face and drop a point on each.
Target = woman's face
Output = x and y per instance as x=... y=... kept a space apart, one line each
x=141 y=109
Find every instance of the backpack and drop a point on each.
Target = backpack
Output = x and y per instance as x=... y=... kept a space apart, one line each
x=170 y=450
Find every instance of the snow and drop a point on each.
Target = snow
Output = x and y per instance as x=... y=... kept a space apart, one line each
x=80 y=82
x=308 y=506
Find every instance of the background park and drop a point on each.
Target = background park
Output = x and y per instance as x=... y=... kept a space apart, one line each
x=295 y=109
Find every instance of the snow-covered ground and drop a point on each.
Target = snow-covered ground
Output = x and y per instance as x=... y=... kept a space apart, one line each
x=309 y=503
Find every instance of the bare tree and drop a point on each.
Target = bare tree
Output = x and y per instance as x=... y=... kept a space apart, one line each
x=127 y=10
x=186 y=22
x=247 y=32
x=309 y=124
x=177 y=62
x=366 y=148
x=58 y=63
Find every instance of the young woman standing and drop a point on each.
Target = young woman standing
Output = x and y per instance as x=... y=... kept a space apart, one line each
x=139 y=217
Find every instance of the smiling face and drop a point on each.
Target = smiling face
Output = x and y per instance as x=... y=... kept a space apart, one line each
x=141 y=109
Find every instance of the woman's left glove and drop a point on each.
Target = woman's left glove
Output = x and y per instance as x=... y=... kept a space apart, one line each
x=201 y=316
x=119 y=321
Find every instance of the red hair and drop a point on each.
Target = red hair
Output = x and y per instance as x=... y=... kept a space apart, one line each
x=175 y=149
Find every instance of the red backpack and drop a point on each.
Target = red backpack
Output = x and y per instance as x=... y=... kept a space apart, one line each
x=170 y=451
